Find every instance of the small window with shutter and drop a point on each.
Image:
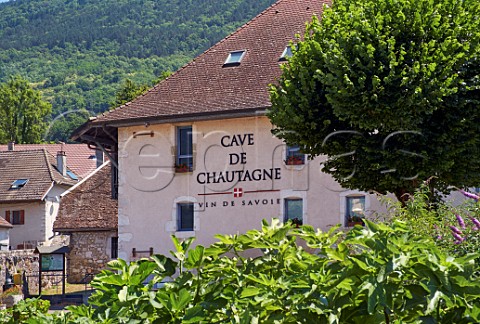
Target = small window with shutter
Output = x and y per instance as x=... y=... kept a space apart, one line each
x=16 y=217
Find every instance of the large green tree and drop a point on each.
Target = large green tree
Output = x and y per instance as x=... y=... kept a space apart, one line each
x=23 y=113
x=389 y=91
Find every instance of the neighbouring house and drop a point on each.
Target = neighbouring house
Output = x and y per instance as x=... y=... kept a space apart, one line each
x=195 y=156
x=88 y=214
x=4 y=234
x=31 y=183
x=82 y=159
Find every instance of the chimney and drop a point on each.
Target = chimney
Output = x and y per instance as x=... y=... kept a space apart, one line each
x=11 y=146
x=99 y=157
x=62 y=162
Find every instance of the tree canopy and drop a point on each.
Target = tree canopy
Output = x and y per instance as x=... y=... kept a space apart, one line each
x=127 y=92
x=389 y=91
x=130 y=90
x=23 y=113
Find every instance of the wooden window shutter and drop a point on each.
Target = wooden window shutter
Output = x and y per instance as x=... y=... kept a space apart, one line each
x=22 y=217
x=7 y=216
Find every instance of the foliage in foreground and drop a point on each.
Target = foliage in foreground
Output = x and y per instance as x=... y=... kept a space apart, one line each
x=373 y=274
x=26 y=310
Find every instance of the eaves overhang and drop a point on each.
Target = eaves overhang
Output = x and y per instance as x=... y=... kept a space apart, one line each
x=19 y=201
x=96 y=132
x=68 y=230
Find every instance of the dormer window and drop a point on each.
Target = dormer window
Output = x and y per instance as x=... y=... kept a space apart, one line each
x=234 y=58
x=287 y=52
x=19 y=183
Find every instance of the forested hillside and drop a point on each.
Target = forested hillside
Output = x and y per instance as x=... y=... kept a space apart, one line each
x=79 y=52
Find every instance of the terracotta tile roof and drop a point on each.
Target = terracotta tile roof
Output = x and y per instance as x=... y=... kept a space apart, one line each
x=80 y=158
x=38 y=166
x=88 y=206
x=206 y=86
x=4 y=223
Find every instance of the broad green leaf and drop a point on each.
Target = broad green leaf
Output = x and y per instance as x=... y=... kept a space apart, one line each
x=181 y=300
x=195 y=314
x=249 y=291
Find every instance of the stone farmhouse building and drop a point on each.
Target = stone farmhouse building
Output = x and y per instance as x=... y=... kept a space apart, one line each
x=88 y=215
x=194 y=156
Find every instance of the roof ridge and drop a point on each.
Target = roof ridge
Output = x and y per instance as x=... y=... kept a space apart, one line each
x=34 y=150
x=199 y=55
x=49 y=167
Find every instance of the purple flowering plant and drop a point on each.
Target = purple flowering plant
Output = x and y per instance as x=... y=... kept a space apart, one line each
x=455 y=228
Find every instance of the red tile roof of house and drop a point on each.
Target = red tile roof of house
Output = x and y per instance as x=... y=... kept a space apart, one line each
x=37 y=166
x=88 y=206
x=80 y=158
x=206 y=86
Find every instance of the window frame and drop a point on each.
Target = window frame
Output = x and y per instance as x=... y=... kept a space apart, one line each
x=287 y=52
x=293 y=155
x=180 y=165
x=15 y=217
x=286 y=217
x=180 y=227
x=21 y=183
x=349 y=210
x=229 y=62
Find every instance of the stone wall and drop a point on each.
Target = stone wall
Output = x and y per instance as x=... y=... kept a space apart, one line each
x=89 y=254
x=18 y=260
x=27 y=263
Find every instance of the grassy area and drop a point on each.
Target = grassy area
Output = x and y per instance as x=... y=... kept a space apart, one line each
x=69 y=289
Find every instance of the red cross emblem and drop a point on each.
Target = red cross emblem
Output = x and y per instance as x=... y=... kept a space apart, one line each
x=237 y=192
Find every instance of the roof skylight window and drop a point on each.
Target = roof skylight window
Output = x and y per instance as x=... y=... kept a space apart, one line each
x=72 y=175
x=19 y=183
x=287 y=52
x=234 y=58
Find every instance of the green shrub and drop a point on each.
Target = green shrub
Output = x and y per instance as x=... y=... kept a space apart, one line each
x=380 y=273
x=24 y=310
x=375 y=274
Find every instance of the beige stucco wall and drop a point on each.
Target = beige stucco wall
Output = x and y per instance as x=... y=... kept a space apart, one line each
x=33 y=230
x=149 y=189
x=52 y=204
x=39 y=218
